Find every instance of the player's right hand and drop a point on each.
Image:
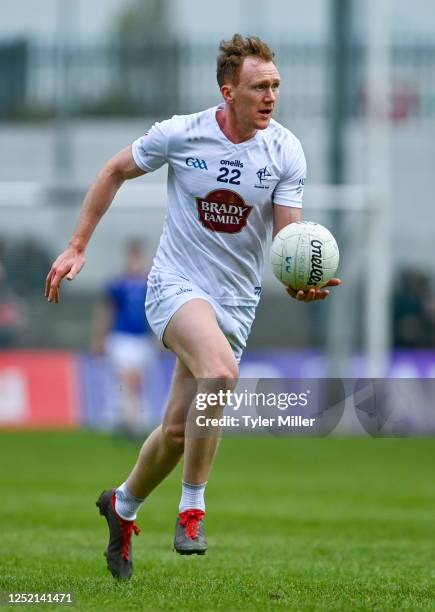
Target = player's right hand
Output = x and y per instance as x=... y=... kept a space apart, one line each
x=69 y=263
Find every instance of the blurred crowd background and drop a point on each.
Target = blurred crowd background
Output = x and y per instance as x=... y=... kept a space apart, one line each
x=80 y=80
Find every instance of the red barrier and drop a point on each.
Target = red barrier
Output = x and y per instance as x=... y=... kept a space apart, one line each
x=38 y=390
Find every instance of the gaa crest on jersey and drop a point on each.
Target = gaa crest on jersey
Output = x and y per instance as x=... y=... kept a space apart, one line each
x=223 y=210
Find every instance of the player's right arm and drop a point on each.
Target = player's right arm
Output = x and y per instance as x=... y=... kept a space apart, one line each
x=98 y=199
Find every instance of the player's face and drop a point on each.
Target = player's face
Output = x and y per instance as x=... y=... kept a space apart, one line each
x=255 y=95
x=135 y=261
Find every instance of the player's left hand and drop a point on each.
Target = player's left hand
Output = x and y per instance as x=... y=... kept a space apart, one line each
x=313 y=294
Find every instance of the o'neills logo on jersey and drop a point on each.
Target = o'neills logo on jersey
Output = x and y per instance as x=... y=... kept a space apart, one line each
x=223 y=210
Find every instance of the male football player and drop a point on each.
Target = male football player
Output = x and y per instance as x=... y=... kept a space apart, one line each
x=121 y=331
x=235 y=174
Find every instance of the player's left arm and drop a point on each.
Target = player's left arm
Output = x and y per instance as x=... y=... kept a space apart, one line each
x=282 y=216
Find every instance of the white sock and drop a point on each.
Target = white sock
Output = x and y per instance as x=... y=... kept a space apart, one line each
x=126 y=504
x=192 y=497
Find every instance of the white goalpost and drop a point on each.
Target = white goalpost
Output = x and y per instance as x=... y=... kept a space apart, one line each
x=379 y=268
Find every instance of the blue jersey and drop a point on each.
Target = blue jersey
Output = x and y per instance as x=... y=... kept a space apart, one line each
x=126 y=295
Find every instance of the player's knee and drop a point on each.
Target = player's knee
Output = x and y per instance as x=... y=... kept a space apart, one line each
x=221 y=375
x=173 y=436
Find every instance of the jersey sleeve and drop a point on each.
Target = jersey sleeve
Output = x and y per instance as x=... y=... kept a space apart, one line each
x=150 y=151
x=290 y=189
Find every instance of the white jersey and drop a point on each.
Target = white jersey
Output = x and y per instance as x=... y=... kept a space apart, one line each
x=220 y=200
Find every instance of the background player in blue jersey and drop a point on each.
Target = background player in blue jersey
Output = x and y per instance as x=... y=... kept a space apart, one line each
x=121 y=331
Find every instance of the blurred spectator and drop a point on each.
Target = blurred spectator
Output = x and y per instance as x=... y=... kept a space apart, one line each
x=414 y=310
x=121 y=331
x=25 y=262
x=404 y=102
x=12 y=314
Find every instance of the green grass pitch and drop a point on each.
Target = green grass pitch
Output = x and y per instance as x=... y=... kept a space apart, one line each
x=293 y=524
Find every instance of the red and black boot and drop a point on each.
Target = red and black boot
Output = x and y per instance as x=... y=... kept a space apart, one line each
x=119 y=553
x=189 y=533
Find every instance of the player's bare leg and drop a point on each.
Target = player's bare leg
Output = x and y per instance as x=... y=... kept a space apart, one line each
x=159 y=455
x=205 y=364
x=194 y=335
x=131 y=388
x=163 y=449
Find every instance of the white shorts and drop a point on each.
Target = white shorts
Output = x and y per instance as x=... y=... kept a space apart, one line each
x=167 y=292
x=129 y=352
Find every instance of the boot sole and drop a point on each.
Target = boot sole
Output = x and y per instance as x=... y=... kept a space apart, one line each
x=190 y=552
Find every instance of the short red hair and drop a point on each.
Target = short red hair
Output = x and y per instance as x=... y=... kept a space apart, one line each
x=233 y=52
